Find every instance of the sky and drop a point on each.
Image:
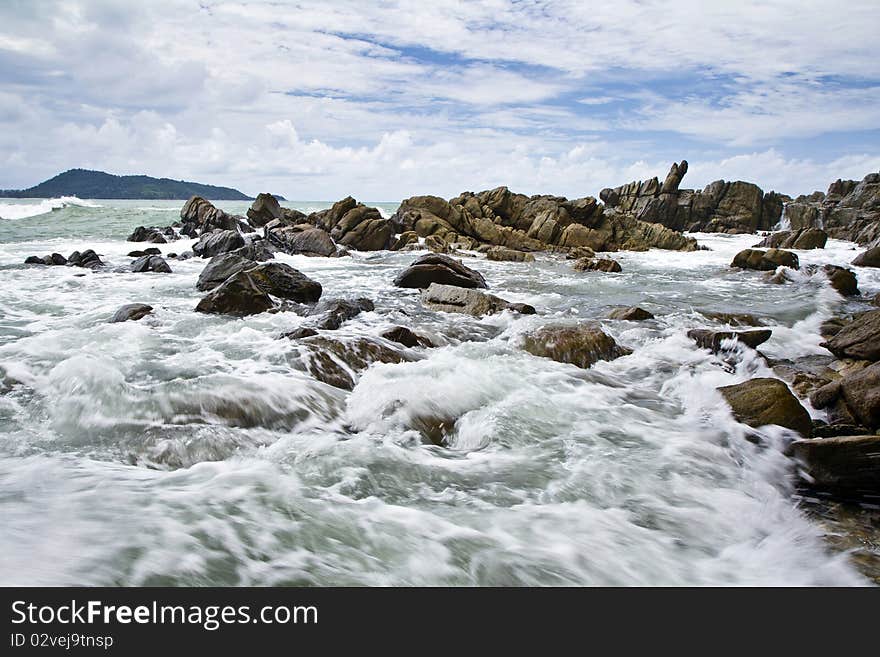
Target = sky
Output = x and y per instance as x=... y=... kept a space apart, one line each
x=385 y=100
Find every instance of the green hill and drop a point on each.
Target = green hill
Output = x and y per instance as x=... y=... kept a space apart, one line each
x=97 y=184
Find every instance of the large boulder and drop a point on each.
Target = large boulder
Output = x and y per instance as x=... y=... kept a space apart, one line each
x=358 y=226
x=305 y=241
x=264 y=209
x=763 y=401
x=437 y=268
x=714 y=340
x=132 y=312
x=154 y=235
x=215 y=243
x=238 y=295
x=200 y=215
x=856 y=397
x=282 y=280
x=870 y=258
x=859 y=339
x=579 y=344
x=258 y=250
x=221 y=267
x=151 y=263
x=845 y=464
x=764 y=260
x=454 y=299
x=842 y=279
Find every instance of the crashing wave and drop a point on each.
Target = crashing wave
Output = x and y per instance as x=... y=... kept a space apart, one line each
x=25 y=210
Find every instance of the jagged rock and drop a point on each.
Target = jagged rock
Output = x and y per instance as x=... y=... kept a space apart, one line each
x=335 y=312
x=843 y=280
x=215 y=243
x=436 y=244
x=88 y=259
x=155 y=235
x=858 y=339
x=849 y=211
x=310 y=241
x=405 y=239
x=436 y=268
x=580 y=252
x=763 y=401
x=631 y=314
x=712 y=340
x=764 y=260
x=356 y=225
x=870 y=258
x=264 y=209
x=337 y=362
x=282 y=280
x=258 y=250
x=238 y=295
x=855 y=396
x=150 y=263
x=848 y=464
x=406 y=337
x=454 y=299
x=500 y=253
x=580 y=344
x=131 y=311
x=805 y=238
x=596 y=264
x=204 y=217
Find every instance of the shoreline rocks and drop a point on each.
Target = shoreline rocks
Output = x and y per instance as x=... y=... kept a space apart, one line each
x=762 y=401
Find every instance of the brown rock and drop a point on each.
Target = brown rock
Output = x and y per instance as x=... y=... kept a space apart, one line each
x=763 y=401
x=581 y=344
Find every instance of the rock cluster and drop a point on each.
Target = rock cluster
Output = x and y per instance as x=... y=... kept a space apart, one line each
x=804 y=238
x=87 y=259
x=849 y=210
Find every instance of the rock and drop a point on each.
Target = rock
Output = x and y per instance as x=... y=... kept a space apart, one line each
x=131 y=311
x=870 y=258
x=337 y=362
x=405 y=239
x=238 y=295
x=436 y=244
x=52 y=259
x=631 y=314
x=764 y=260
x=856 y=395
x=763 y=401
x=199 y=214
x=264 y=209
x=282 y=280
x=734 y=319
x=150 y=263
x=441 y=269
x=843 y=280
x=143 y=234
x=358 y=226
x=580 y=252
x=221 y=267
x=299 y=333
x=215 y=243
x=337 y=311
x=805 y=238
x=149 y=251
x=503 y=254
x=34 y=260
x=858 y=339
x=88 y=259
x=597 y=264
x=581 y=344
x=823 y=430
x=310 y=242
x=454 y=299
x=712 y=340
x=406 y=337
x=258 y=250
x=849 y=464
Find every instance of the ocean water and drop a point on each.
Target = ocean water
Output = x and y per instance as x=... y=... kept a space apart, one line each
x=187 y=449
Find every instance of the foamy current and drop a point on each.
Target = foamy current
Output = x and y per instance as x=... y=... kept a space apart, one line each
x=188 y=449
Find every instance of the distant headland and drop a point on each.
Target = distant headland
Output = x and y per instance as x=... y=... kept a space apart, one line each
x=84 y=183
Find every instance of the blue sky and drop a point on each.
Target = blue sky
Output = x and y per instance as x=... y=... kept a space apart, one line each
x=317 y=100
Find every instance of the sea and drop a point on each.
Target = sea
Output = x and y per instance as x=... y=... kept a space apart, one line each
x=188 y=449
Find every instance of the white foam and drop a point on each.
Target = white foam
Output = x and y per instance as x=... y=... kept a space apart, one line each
x=9 y=210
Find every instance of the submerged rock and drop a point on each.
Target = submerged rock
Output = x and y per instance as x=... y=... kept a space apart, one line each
x=712 y=339
x=503 y=254
x=453 y=299
x=406 y=337
x=151 y=263
x=581 y=344
x=631 y=314
x=338 y=362
x=238 y=295
x=597 y=264
x=858 y=339
x=734 y=319
x=848 y=464
x=763 y=401
x=131 y=311
x=441 y=269
x=334 y=312
x=764 y=260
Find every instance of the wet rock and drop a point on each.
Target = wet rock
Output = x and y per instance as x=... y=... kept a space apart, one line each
x=824 y=430
x=849 y=464
x=503 y=254
x=257 y=250
x=53 y=259
x=282 y=280
x=239 y=295
x=856 y=395
x=152 y=263
x=842 y=279
x=406 y=337
x=338 y=362
x=436 y=244
x=469 y=301
x=764 y=260
x=221 y=267
x=631 y=314
x=131 y=311
x=763 y=401
x=870 y=258
x=441 y=269
x=334 y=312
x=580 y=252
x=805 y=238
x=308 y=241
x=264 y=209
x=215 y=243
x=359 y=227
x=597 y=264
x=405 y=239
x=858 y=339
x=88 y=259
x=733 y=319
x=143 y=234
x=34 y=260
x=580 y=344
x=200 y=215
x=712 y=340
x=142 y=253
x=299 y=333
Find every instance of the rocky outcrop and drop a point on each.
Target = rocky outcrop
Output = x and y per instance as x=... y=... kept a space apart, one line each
x=503 y=254
x=631 y=314
x=264 y=209
x=846 y=464
x=580 y=344
x=715 y=340
x=200 y=216
x=131 y=312
x=850 y=210
x=437 y=268
x=759 y=402
x=764 y=260
x=152 y=263
x=870 y=258
x=355 y=225
x=238 y=295
x=805 y=238
x=454 y=299
x=858 y=339
x=152 y=234
x=302 y=239
x=721 y=207
x=217 y=242
x=597 y=264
